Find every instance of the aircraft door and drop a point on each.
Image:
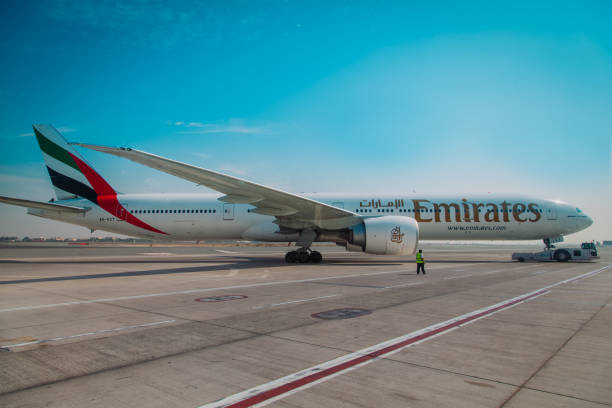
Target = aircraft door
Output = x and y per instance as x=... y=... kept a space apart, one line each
x=228 y=211
x=551 y=213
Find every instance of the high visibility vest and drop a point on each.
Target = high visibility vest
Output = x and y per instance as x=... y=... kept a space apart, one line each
x=419 y=258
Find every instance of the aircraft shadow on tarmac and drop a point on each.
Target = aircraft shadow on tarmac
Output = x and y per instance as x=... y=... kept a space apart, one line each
x=245 y=264
x=235 y=263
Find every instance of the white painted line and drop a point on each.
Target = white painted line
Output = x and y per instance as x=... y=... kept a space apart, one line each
x=156 y=253
x=294 y=301
x=185 y=292
x=277 y=389
x=274 y=390
x=404 y=285
x=597 y=272
x=77 y=259
x=460 y=276
x=74 y=336
x=493 y=271
x=223 y=251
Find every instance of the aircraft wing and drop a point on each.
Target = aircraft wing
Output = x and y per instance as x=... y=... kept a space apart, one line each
x=291 y=210
x=42 y=205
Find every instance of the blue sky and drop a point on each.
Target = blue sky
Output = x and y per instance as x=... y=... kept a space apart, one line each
x=447 y=97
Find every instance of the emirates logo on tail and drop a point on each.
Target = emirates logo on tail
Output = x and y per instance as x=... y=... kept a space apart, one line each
x=396 y=235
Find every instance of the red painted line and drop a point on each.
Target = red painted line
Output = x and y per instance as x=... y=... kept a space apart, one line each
x=285 y=388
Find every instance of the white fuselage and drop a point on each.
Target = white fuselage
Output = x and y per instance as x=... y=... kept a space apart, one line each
x=204 y=217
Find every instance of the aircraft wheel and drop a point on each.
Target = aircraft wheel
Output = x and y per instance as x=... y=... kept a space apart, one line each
x=303 y=257
x=316 y=257
x=562 y=256
x=291 y=257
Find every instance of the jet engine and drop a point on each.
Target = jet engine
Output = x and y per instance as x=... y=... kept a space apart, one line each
x=388 y=235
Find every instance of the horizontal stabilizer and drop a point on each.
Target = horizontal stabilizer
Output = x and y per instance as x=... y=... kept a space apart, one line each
x=43 y=206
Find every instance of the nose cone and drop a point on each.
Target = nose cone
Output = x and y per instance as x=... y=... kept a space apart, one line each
x=588 y=221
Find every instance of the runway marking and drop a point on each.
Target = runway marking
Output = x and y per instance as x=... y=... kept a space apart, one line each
x=156 y=253
x=403 y=285
x=184 y=292
x=294 y=301
x=277 y=389
x=226 y=252
x=77 y=259
x=593 y=274
x=460 y=276
x=74 y=336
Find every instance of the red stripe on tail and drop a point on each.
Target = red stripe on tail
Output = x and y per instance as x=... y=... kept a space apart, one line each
x=107 y=197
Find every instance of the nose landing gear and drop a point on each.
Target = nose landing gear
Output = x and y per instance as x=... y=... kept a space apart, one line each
x=303 y=255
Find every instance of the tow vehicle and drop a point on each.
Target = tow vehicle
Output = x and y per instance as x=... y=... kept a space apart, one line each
x=586 y=252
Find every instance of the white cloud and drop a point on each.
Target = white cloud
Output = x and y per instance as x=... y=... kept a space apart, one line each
x=196 y=124
x=224 y=129
x=152 y=182
x=201 y=155
x=61 y=129
x=232 y=126
x=233 y=170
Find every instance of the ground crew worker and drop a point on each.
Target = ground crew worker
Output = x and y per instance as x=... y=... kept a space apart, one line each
x=420 y=261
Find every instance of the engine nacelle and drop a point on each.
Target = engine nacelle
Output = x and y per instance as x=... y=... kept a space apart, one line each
x=388 y=235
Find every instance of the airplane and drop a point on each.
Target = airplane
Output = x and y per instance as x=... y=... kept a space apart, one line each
x=244 y=210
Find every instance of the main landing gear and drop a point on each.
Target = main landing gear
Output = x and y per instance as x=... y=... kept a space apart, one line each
x=303 y=255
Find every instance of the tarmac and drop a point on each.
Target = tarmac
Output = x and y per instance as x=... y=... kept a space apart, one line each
x=194 y=326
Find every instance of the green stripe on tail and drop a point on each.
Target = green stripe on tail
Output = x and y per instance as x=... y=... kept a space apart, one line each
x=55 y=151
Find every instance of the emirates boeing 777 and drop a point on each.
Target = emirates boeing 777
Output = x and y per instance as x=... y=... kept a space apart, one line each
x=389 y=224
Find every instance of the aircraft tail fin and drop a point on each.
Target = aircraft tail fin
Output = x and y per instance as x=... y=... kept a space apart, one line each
x=70 y=175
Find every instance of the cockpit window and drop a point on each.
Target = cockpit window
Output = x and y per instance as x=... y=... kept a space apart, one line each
x=578 y=210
